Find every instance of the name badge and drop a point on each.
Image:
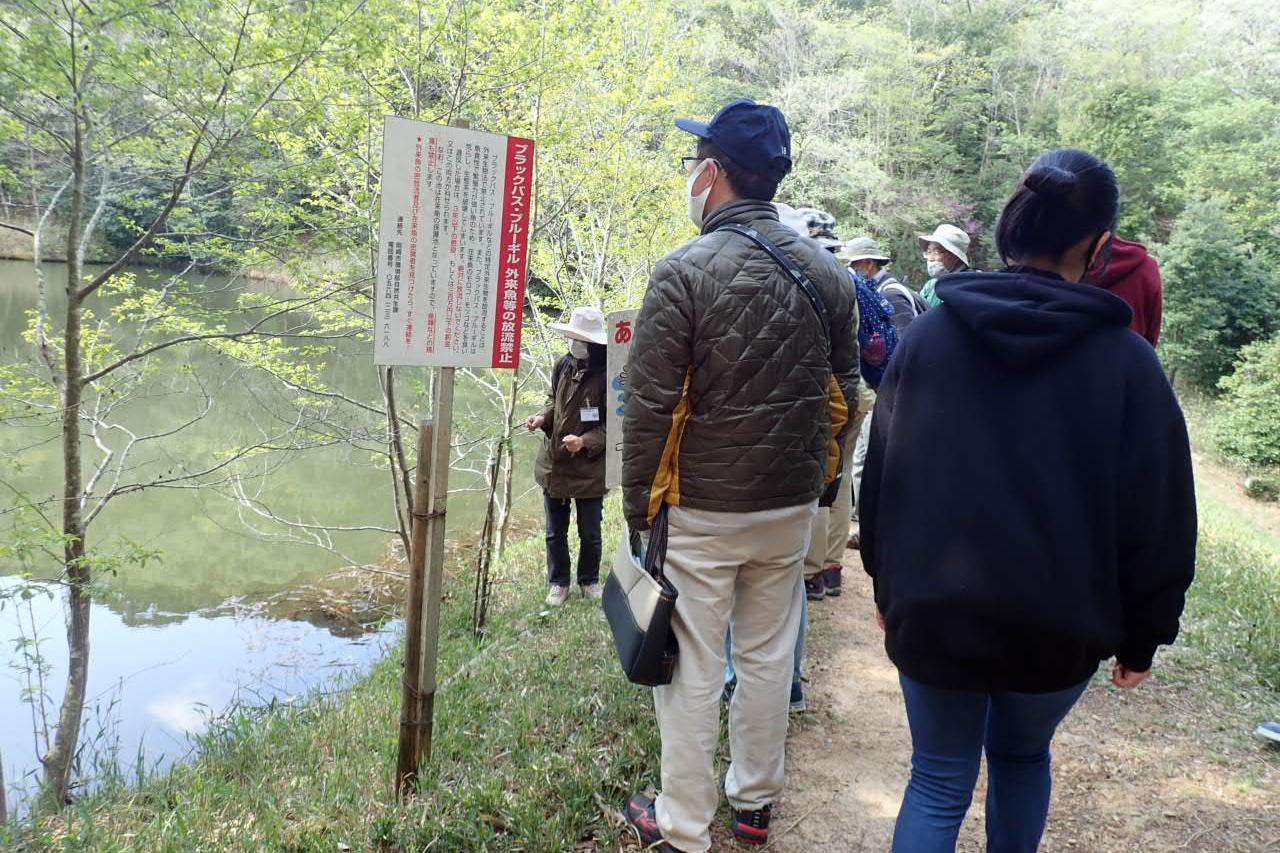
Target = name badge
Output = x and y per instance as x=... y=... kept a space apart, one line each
x=589 y=414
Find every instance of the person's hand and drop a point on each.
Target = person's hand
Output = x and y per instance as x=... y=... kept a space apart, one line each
x=1123 y=677
x=534 y=422
x=573 y=443
x=880 y=619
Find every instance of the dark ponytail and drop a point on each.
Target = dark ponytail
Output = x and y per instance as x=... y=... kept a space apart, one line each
x=1066 y=196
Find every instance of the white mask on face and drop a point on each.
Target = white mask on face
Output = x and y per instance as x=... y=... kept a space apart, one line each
x=578 y=349
x=698 y=203
x=936 y=268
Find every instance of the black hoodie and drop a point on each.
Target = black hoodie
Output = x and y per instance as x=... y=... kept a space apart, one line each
x=1027 y=506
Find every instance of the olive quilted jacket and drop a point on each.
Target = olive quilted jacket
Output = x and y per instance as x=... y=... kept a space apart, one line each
x=735 y=397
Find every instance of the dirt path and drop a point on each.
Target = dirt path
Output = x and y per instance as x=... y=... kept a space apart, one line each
x=1162 y=768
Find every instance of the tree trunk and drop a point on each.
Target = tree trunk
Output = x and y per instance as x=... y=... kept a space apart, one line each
x=484 y=554
x=57 y=763
x=508 y=472
x=4 y=805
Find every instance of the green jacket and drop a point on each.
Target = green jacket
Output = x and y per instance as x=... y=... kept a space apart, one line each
x=736 y=400
x=575 y=387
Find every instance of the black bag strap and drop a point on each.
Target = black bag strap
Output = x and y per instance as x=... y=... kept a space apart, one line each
x=655 y=556
x=784 y=260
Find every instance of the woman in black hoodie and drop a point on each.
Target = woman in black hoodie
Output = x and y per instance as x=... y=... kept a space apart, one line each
x=1027 y=508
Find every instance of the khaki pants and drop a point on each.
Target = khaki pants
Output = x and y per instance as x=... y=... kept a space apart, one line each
x=866 y=399
x=744 y=569
x=837 y=532
x=815 y=555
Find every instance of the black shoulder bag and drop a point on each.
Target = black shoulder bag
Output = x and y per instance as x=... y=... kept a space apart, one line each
x=639 y=602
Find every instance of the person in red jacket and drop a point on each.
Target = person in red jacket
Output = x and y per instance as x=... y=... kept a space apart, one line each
x=1134 y=276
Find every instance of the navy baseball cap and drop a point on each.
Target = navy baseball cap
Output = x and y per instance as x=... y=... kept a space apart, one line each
x=755 y=136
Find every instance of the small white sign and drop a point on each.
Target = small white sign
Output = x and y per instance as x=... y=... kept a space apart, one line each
x=453 y=246
x=621 y=326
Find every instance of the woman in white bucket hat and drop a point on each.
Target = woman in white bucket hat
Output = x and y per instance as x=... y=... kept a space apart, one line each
x=570 y=464
x=946 y=250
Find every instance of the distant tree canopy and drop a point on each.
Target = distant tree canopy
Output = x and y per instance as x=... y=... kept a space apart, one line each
x=906 y=113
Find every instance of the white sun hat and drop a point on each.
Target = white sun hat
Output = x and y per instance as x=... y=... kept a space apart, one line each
x=949 y=237
x=585 y=324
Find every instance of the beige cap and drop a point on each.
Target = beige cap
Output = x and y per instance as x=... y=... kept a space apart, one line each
x=860 y=249
x=954 y=240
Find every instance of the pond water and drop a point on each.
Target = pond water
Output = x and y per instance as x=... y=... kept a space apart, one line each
x=180 y=637
x=155 y=681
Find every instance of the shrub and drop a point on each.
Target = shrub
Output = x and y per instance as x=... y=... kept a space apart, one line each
x=1218 y=297
x=1246 y=425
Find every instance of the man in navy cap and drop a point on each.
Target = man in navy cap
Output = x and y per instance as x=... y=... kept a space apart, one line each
x=738 y=383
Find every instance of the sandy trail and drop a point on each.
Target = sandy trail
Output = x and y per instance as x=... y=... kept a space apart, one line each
x=1161 y=768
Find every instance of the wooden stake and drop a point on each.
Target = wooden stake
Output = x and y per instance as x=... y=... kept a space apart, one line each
x=410 y=702
x=432 y=594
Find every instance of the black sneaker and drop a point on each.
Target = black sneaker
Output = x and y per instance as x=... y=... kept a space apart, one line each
x=815 y=588
x=798 y=702
x=831 y=577
x=641 y=818
x=751 y=827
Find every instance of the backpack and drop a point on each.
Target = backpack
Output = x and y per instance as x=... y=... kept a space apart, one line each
x=877 y=336
x=918 y=303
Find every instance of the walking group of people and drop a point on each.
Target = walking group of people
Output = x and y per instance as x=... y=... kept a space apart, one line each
x=1021 y=478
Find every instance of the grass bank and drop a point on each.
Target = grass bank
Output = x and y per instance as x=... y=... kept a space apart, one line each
x=536 y=730
x=1233 y=608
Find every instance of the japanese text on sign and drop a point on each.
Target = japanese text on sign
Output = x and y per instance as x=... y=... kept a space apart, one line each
x=621 y=326
x=454 y=246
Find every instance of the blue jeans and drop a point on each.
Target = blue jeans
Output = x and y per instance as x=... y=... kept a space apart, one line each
x=949 y=729
x=730 y=676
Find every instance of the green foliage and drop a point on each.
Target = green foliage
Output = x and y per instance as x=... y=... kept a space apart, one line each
x=1233 y=146
x=1133 y=128
x=1218 y=296
x=1246 y=423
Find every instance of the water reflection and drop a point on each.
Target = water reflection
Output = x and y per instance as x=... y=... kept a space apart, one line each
x=153 y=684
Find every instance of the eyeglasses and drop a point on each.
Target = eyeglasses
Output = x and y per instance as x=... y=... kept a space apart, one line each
x=690 y=163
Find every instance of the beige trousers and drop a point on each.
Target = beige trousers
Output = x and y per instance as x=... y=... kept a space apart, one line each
x=741 y=569
x=830 y=532
x=866 y=402
x=837 y=532
x=815 y=555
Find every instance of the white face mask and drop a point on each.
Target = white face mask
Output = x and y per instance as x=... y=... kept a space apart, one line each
x=698 y=203
x=578 y=349
x=936 y=268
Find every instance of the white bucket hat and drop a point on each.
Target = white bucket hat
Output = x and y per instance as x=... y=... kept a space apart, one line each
x=949 y=237
x=585 y=324
x=791 y=218
x=861 y=249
